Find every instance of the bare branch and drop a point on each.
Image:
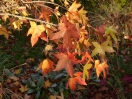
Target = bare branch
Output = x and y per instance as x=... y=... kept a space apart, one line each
x=22 y=17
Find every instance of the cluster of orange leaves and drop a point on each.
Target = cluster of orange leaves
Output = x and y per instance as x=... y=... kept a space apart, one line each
x=71 y=34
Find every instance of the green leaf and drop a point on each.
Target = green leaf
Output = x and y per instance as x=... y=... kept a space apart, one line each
x=30 y=91
x=86 y=67
x=40 y=82
x=37 y=95
x=111 y=31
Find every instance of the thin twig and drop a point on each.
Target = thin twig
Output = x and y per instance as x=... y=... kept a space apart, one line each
x=22 y=17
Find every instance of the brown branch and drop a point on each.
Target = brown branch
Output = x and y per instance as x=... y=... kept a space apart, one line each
x=22 y=17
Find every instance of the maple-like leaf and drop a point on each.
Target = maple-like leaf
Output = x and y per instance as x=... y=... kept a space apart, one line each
x=17 y=24
x=64 y=62
x=23 y=88
x=82 y=15
x=46 y=65
x=5 y=32
x=47 y=84
x=74 y=7
x=45 y=13
x=86 y=68
x=67 y=62
x=77 y=79
x=72 y=13
x=101 y=49
x=111 y=31
x=101 y=67
x=87 y=55
x=67 y=31
x=36 y=31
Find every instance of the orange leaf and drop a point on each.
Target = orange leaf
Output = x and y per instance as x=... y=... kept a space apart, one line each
x=67 y=31
x=103 y=67
x=46 y=66
x=87 y=55
x=72 y=81
x=45 y=13
x=36 y=31
x=64 y=62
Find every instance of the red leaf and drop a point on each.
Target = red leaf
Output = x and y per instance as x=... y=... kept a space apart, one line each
x=67 y=31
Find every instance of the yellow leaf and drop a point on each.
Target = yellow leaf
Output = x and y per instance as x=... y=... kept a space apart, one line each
x=48 y=47
x=86 y=73
x=17 y=24
x=82 y=14
x=36 y=31
x=3 y=31
x=30 y=59
x=74 y=7
x=101 y=49
x=47 y=84
x=24 y=13
x=4 y=18
x=52 y=97
x=17 y=71
x=23 y=88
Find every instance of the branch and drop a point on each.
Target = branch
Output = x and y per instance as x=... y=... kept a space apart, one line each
x=22 y=17
x=29 y=2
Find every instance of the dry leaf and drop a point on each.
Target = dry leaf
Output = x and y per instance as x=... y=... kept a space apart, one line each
x=3 y=31
x=23 y=88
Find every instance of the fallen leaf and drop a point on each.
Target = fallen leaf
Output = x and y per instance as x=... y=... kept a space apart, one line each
x=17 y=71
x=13 y=77
x=26 y=96
x=3 y=31
x=1 y=91
x=23 y=88
x=47 y=83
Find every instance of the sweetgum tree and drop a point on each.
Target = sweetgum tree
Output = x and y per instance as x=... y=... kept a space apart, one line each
x=78 y=40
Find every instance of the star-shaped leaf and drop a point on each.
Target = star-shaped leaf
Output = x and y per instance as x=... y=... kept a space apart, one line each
x=67 y=62
x=111 y=31
x=101 y=67
x=23 y=88
x=67 y=32
x=3 y=31
x=101 y=49
x=36 y=31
